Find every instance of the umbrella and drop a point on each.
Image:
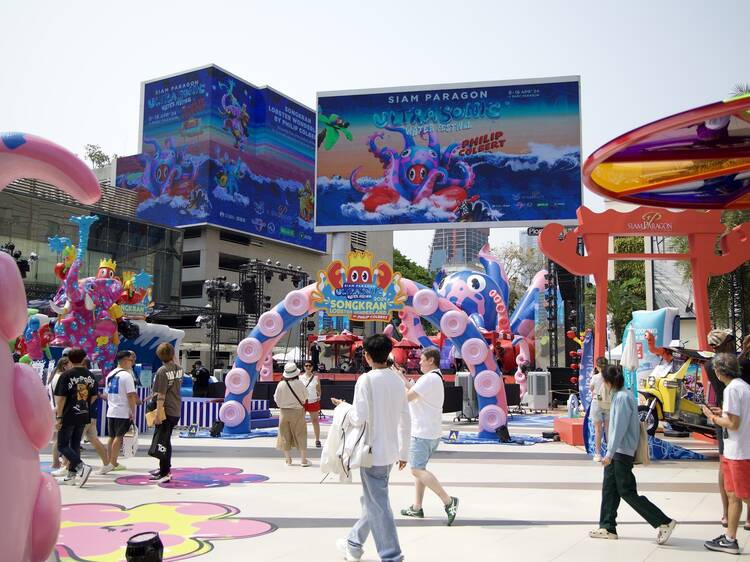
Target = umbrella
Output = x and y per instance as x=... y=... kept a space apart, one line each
x=336 y=341
x=629 y=361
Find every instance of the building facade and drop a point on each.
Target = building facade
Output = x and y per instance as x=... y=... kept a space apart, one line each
x=457 y=249
x=31 y=212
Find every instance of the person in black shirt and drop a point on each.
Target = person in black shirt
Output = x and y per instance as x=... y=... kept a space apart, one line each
x=315 y=354
x=200 y=380
x=74 y=393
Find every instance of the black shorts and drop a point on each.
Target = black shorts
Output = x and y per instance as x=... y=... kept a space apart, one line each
x=117 y=427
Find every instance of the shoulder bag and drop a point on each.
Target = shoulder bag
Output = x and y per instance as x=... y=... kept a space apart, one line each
x=642 y=451
x=301 y=403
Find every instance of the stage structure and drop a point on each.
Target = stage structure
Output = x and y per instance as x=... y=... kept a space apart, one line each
x=255 y=276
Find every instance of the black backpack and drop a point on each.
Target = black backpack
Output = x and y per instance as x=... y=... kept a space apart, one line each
x=216 y=428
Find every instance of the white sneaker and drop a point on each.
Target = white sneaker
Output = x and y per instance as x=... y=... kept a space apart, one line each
x=597 y=458
x=84 y=471
x=346 y=550
x=602 y=534
x=69 y=480
x=665 y=531
x=164 y=479
x=62 y=471
x=107 y=468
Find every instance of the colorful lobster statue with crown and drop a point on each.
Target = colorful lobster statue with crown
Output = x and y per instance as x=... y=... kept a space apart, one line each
x=89 y=310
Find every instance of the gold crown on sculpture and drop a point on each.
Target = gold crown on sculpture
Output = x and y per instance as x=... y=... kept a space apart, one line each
x=360 y=259
x=108 y=263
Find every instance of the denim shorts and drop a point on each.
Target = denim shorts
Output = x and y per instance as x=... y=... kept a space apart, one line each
x=597 y=414
x=421 y=450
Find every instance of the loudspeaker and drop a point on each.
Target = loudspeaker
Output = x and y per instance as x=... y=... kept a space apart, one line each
x=566 y=283
x=249 y=288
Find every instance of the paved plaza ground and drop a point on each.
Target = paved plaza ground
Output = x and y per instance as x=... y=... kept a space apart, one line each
x=528 y=503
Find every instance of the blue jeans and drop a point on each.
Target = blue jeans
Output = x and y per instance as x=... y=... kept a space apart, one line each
x=377 y=516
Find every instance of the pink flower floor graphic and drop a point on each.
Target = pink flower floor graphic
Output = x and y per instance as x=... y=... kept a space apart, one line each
x=98 y=532
x=193 y=478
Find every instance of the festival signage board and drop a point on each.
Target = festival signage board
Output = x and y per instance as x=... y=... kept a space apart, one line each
x=449 y=156
x=359 y=290
x=218 y=150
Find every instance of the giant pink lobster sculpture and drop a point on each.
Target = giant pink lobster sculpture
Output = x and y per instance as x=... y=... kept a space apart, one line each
x=31 y=520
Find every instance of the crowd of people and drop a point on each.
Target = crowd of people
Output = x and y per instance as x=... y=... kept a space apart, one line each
x=404 y=427
x=75 y=394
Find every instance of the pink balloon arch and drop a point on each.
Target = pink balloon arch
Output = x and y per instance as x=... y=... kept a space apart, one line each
x=254 y=353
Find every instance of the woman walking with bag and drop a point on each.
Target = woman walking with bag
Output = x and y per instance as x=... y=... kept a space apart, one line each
x=619 y=482
x=167 y=386
x=290 y=397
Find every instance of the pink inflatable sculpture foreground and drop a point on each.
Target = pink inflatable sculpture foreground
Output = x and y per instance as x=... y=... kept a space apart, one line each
x=31 y=525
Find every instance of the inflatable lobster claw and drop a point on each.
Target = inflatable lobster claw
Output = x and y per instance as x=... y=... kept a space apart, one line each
x=383 y=274
x=335 y=274
x=30 y=529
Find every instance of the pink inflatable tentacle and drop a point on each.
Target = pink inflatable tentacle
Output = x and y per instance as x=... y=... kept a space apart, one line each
x=28 y=156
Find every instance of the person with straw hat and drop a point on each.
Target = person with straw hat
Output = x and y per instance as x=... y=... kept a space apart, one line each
x=290 y=397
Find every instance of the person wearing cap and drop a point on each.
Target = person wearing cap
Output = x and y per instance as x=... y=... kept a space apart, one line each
x=721 y=341
x=734 y=421
x=290 y=397
x=121 y=397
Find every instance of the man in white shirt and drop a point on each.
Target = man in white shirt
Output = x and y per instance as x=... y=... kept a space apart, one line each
x=735 y=462
x=426 y=406
x=389 y=423
x=121 y=400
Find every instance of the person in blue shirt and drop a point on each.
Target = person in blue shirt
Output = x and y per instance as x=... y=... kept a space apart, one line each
x=619 y=482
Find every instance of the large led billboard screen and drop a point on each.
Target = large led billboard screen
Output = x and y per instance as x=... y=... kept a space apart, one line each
x=217 y=150
x=490 y=154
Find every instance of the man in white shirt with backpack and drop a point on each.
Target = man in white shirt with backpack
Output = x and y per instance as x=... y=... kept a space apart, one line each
x=426 y=405
x=379 y=401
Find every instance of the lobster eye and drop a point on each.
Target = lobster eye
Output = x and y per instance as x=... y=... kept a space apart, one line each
x=406 y=153
x=423 y=173
x=365 y=277
x=476 y=282
x=412 y=174
x=353 y=276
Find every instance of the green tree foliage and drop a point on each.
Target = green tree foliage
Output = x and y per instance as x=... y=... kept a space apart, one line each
x=719 y=288
x=97 y=156
x=520 y=266
x=410 y=270
x=627 y=292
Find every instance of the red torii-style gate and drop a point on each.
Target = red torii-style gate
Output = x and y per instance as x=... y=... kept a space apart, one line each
x=700 y=227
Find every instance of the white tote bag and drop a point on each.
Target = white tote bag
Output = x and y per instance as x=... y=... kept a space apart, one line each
x=130 y=442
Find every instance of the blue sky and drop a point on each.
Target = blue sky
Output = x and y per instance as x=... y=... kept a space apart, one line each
x=72 y=70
